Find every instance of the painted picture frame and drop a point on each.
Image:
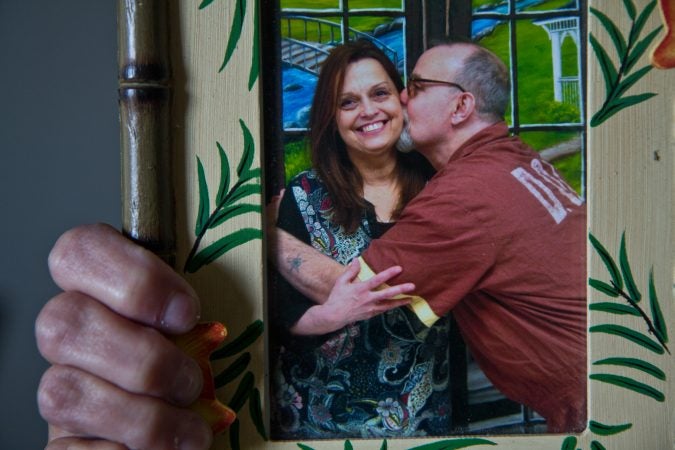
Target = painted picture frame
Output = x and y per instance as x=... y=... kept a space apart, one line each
x=196 y=145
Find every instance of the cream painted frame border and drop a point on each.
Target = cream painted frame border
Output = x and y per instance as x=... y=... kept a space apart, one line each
x=630 y=172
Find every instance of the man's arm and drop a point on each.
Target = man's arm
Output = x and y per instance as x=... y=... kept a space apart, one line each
x=310 y=272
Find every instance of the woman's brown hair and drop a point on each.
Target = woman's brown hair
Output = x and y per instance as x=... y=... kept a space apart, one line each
x=327 y=149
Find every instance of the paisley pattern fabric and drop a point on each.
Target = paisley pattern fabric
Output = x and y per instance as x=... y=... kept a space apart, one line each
x=384 y=377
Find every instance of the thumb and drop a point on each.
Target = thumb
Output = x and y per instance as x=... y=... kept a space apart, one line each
x=351 y=272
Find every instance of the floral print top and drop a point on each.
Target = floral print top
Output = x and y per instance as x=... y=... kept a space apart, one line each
x=383 y=377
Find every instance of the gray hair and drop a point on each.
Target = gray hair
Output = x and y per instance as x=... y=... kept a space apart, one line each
x=486 y=77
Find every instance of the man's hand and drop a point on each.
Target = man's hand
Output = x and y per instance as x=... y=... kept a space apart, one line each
x=352 y=300
x=116 y=381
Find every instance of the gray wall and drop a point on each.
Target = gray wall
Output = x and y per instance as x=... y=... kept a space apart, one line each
x=59 y=157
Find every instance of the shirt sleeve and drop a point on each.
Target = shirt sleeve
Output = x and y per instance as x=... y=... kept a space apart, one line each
x=444 y=245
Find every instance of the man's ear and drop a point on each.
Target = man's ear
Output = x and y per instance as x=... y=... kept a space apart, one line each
x=464 y=107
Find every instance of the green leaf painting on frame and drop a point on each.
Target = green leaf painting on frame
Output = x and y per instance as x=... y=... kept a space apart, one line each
x=618 y=79
x=228 y=205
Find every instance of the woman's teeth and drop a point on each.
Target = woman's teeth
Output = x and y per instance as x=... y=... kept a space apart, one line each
x=373 y=126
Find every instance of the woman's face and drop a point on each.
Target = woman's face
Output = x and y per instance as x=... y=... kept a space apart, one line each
x=369 y=116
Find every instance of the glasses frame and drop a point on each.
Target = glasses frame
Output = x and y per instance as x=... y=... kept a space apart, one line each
x=412 y=79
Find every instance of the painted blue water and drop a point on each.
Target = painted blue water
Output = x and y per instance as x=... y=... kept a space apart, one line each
x=298 y=93
x=298 y=86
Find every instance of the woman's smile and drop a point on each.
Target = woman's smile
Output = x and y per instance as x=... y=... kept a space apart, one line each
x=375 y=126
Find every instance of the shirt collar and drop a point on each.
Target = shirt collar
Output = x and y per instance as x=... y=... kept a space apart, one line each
x=478 y=140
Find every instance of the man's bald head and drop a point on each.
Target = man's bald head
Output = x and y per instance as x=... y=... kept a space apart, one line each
x=480 y=72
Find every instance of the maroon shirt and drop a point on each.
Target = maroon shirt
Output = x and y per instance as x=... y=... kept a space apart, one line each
x=499 y=239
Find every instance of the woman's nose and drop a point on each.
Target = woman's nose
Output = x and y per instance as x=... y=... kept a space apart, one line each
x=368 y=108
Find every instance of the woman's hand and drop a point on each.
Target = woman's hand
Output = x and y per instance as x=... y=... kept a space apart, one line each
x=352 y=300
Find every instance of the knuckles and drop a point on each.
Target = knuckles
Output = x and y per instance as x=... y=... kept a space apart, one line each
x=100 y=262
x=155 y=359
x=57 y=326
x=59 y=394
x=75 y=245
x=74 y=330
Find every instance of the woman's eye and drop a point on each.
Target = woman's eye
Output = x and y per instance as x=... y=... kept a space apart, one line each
x=382 y=93
x=347 y=103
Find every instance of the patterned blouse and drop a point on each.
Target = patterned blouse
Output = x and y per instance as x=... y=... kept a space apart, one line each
x=382 y=377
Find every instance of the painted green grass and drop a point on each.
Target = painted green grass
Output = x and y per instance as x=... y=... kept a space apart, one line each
x=570 y=169
x=333 y=4
x=312 y=31
x=549 y=6
x=535 y=74
x=365 y=24
x=570 y=166
x=315 y=32
x=296 y=158
x=368 y=23
x=478 y=3
x=540 y=141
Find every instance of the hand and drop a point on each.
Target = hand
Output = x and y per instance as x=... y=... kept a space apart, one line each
x=271 y=235
x=116 y=381
x=272 y=211
x=352 y=300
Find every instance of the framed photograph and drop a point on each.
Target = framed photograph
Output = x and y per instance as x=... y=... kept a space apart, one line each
x=215 y=99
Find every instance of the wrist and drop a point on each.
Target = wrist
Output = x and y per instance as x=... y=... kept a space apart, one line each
x=317 y=320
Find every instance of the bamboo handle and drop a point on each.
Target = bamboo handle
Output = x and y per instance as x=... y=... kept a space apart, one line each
x=144 y=102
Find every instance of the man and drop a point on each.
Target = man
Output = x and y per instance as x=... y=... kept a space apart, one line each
x=496 y=237
x=507 y=284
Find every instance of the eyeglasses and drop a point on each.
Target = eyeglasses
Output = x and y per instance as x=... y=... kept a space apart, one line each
x=414 y=84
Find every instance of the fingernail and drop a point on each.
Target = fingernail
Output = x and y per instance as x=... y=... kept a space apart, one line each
x=193 y=434
x=181 y=313
x=187 y=382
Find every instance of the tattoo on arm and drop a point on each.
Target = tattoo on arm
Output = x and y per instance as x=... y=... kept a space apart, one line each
x=295 y=263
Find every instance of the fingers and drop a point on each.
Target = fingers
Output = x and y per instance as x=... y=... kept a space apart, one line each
x=390 y=292
x=100 y=262
x=384 y=276
x=75 y=330
x=377 y=283
x=75 y=443
x=386 y=305
x=350 y=273
x=84 y=405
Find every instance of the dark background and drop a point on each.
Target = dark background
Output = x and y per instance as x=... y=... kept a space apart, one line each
x=59 y=161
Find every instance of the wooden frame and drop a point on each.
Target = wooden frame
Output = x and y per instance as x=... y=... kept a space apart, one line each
x=190 y=107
